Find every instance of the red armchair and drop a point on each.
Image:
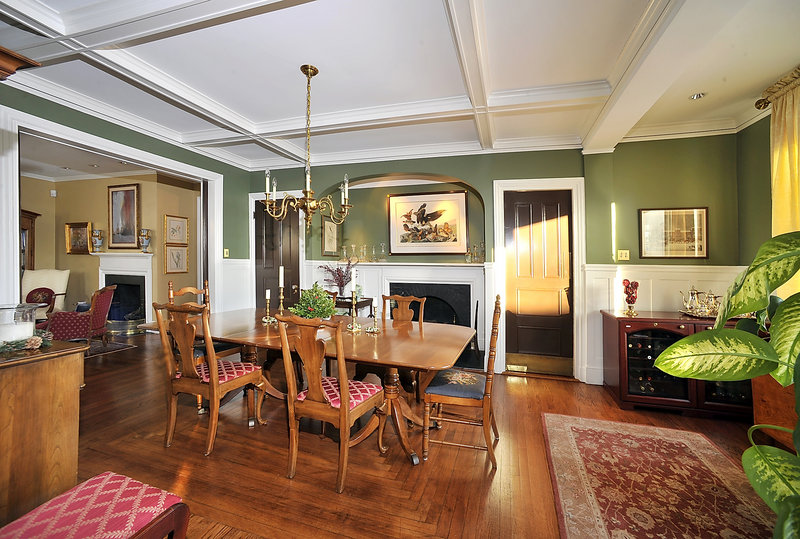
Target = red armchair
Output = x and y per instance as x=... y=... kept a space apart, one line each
x=71 y=325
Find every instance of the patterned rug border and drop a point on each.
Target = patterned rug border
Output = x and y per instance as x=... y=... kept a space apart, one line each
x=736 y=482
x=100 y=351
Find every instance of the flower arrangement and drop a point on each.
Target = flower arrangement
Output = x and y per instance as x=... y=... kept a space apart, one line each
x=339 y=275
x=314 y=303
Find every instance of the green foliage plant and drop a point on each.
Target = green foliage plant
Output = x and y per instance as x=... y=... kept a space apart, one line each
x=314 y=303
x=743 y=353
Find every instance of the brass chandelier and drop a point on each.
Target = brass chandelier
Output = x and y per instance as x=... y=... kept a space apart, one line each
x=307 y=203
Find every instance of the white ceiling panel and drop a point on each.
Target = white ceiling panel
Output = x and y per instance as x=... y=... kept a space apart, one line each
x=404 y=78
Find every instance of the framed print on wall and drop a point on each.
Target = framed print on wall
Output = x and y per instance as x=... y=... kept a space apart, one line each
x=330 y=238
x=77 y=238
x=428 y=223
x=673 y=233
x=176 y=230
x=124 y=216
x=176 y=259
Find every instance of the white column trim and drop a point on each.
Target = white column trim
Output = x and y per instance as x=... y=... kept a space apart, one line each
x=496 y=280
x=13 y=121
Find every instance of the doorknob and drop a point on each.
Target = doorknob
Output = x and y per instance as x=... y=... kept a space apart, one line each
x=294 y=289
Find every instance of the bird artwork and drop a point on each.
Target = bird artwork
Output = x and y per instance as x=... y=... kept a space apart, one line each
x=419 y=227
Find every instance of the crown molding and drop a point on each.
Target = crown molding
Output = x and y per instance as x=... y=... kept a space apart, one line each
x=565 y=142
x=699 y=128
x=558 y=93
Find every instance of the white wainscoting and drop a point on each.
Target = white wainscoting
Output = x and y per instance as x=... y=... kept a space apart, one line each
x=659 y=290
x=374 y=278
x=237 y=288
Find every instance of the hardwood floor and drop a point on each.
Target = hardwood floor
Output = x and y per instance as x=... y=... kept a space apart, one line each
x=243 y=483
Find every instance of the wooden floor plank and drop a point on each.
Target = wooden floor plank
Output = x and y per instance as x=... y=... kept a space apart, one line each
x=242 y=490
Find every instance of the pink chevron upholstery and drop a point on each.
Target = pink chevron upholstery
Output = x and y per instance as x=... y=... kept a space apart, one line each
x=359 y=391
x=108 y=505
x=227 y=370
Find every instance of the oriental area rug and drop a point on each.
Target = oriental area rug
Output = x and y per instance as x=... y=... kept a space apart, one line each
x=96 y=348
x=622 y=480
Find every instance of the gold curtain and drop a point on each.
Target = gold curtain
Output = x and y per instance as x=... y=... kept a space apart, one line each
x=785 y=159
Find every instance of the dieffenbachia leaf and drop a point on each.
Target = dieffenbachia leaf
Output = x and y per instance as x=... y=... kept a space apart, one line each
x=773 y=473
x=785 y=338
x=718 y=354
x=788 y=524
x=776 y=261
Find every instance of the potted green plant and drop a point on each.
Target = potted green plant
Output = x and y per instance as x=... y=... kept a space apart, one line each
x=314 y=303
x=743 y=353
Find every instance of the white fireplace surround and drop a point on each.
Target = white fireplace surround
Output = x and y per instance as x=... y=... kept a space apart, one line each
x=129 y=263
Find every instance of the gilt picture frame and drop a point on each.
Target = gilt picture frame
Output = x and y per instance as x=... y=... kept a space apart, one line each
x=124 y=216
x=176 y=259
x=673 y=233
x=330 y=238
x=428 y=223
x=78 y=238
x=176 y=230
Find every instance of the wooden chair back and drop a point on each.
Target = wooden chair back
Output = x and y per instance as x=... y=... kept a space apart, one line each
x=403 y=311
x=492 y=348
x=181 y=322
x=190 y=290
x=100 y=305
x=311 y=351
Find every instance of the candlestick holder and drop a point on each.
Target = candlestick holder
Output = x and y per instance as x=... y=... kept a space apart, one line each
x=267 y=319
x=374 y=329
x=353 y=326
x=280 y=298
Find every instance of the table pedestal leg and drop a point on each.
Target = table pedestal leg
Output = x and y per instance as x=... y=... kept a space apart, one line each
x=250 y=354
x=398 y=420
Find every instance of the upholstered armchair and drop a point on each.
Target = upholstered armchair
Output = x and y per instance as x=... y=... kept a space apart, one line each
x=72 y=325
x=55 y=280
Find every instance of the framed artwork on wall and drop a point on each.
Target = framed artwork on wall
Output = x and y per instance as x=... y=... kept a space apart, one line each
x=176 y=259
x=124 y=216
x=330 y=237
x=78 y=238
x=176 y=230
x=673 y=233
x=428 y=223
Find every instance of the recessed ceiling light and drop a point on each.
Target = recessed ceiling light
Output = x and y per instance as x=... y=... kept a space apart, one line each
x=65 y=168
x=698 y=95
x=123 y=162
x=94 y=165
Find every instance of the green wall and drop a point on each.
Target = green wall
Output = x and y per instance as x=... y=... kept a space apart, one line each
x=236 y=181
x=755 y=206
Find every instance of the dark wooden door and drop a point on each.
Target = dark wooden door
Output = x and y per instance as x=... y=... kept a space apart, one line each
x=277 y=244
x=538 y=272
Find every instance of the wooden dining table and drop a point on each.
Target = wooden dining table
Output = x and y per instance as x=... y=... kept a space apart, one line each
x=427 y=347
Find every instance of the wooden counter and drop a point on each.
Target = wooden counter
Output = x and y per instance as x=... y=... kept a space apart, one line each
x=39 y=416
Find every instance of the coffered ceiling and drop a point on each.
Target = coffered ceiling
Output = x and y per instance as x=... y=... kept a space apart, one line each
x=405 y=78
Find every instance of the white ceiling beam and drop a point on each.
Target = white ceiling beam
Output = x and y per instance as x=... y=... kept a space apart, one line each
x=678 y=29
x=465 y=18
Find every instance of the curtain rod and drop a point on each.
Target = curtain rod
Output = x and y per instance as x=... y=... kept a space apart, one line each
x=786 y=83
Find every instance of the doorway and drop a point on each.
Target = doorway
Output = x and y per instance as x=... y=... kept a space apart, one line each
x=277 y=243
x=538 y=276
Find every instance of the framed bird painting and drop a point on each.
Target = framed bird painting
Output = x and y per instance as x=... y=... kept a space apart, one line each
x=428 y=223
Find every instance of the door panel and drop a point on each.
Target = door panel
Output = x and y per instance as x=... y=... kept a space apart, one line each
x=538 y=272
x=277 y=244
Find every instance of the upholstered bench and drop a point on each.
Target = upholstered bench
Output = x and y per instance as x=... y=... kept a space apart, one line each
x=108 y=505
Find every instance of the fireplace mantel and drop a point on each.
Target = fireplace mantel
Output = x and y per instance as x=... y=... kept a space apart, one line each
x=129 y=263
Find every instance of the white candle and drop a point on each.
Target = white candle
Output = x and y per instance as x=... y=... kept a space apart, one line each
x=308 y=179
x=346 y=189
x=267 y=293
x=280 y=277
x=266 y=182
x=341 y=192
x=275 y=189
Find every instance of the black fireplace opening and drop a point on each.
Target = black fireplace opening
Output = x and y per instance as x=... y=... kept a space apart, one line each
x=128 y=302
x=445 y=303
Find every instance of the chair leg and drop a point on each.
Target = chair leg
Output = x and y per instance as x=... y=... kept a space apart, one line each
x=200 y=409
x=261 y=394
x=172 y=415
x=487 y=432
x=344 y=451
x=494 y=424
x=213 y=419
x=294 y=428
x=426 y=425
x=251 y=405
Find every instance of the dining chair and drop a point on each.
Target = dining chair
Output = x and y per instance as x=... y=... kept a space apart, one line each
x=403 y=313
x=464 y=388
x=222 y=349
x=324 y=394
x=201 y=374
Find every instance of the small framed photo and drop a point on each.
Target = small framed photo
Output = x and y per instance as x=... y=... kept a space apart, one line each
x=176 y=230
x=673 y=233
x=124 y=216
x=428 y=223
x=176 y=259
x=330 y=238
x=78 y=238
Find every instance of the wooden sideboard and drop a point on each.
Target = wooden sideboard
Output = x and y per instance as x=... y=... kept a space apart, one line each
x=631 y=345
x=39 y=415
